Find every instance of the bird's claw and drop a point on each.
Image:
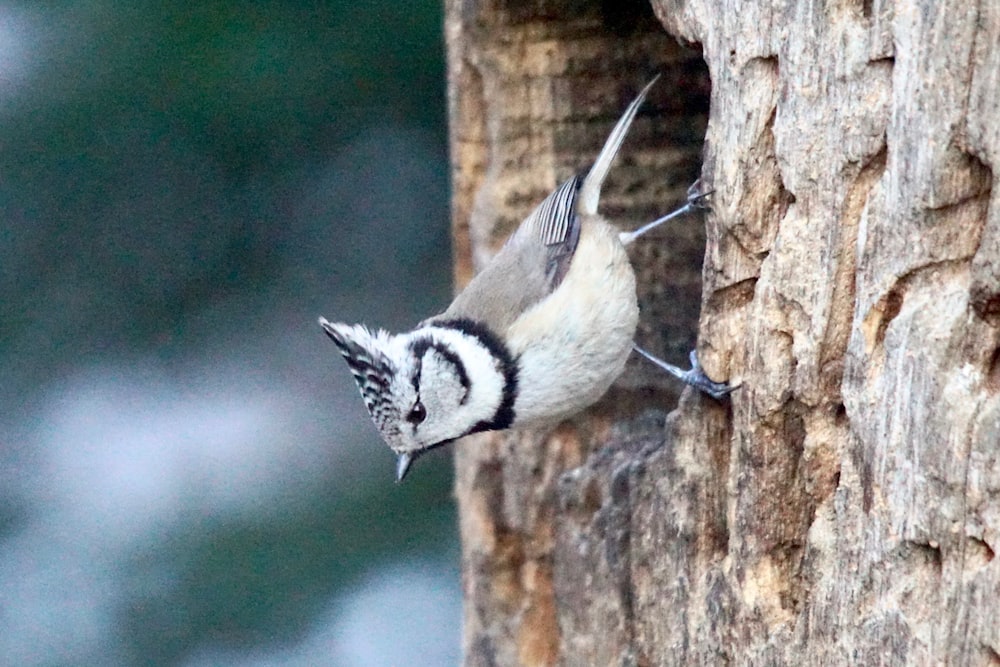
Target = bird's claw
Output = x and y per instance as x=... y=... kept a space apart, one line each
x=694 y=376
x=696 y=198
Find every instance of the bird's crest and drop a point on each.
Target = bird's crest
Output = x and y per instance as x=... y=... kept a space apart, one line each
x=367 y=356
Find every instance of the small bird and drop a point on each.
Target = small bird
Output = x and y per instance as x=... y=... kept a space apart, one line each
x=537 y=336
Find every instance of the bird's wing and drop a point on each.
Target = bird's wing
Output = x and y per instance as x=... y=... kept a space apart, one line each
x=533 y=262
x=529 y=266
x=556 y=227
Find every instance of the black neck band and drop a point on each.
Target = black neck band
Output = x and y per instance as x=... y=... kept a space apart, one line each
x=504 y=415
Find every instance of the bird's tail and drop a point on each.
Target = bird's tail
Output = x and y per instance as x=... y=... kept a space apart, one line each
x=590 y=191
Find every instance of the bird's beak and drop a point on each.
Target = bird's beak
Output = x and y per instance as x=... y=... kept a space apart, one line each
x=403 y=464
x=406 y=459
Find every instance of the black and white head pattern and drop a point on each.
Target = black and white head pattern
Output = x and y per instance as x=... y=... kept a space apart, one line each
x=424 y=388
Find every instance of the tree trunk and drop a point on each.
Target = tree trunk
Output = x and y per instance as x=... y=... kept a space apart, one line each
x=844 y=506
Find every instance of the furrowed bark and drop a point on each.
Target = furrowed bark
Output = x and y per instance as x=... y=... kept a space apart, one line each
x=844 y=506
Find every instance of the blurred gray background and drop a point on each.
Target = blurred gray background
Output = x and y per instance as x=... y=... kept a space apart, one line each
x=187 y=474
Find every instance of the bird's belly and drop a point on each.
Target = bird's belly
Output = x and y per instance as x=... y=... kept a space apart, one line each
x=574 y=343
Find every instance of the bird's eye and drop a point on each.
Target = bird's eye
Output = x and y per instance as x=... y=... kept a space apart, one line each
x=417 y=414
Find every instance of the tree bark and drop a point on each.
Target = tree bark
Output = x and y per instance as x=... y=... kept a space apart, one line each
x=844 y=506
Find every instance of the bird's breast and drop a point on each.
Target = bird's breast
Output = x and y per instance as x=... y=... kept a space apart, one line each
x=573 y=344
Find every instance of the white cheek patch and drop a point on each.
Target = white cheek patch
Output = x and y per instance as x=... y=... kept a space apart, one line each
x=458 y=381
x=443 y=379
x=483 y=379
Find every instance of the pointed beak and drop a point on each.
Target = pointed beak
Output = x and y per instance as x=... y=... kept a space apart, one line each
x=403 y=464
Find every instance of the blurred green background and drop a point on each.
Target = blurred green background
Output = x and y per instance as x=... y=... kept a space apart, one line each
x=187 y=474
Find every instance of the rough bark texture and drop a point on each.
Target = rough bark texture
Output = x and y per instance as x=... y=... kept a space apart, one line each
x=844 y=507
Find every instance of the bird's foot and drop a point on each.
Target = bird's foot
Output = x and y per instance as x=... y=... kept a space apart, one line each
x=694 y=376
x=696 y=198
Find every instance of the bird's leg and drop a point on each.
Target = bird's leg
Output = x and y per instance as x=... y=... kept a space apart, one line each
x=695 y=376
x=695 y=197
x=695 y=200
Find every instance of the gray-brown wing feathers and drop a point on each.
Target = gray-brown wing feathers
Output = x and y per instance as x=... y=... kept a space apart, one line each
x=537 y=256
x=551 y=223
x=556 y=225
x=529 y=266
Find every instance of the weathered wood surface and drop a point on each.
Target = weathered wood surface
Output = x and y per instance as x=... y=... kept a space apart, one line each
x=845 y=507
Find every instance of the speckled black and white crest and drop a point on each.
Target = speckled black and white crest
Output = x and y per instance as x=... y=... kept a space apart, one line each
x=371 y=369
